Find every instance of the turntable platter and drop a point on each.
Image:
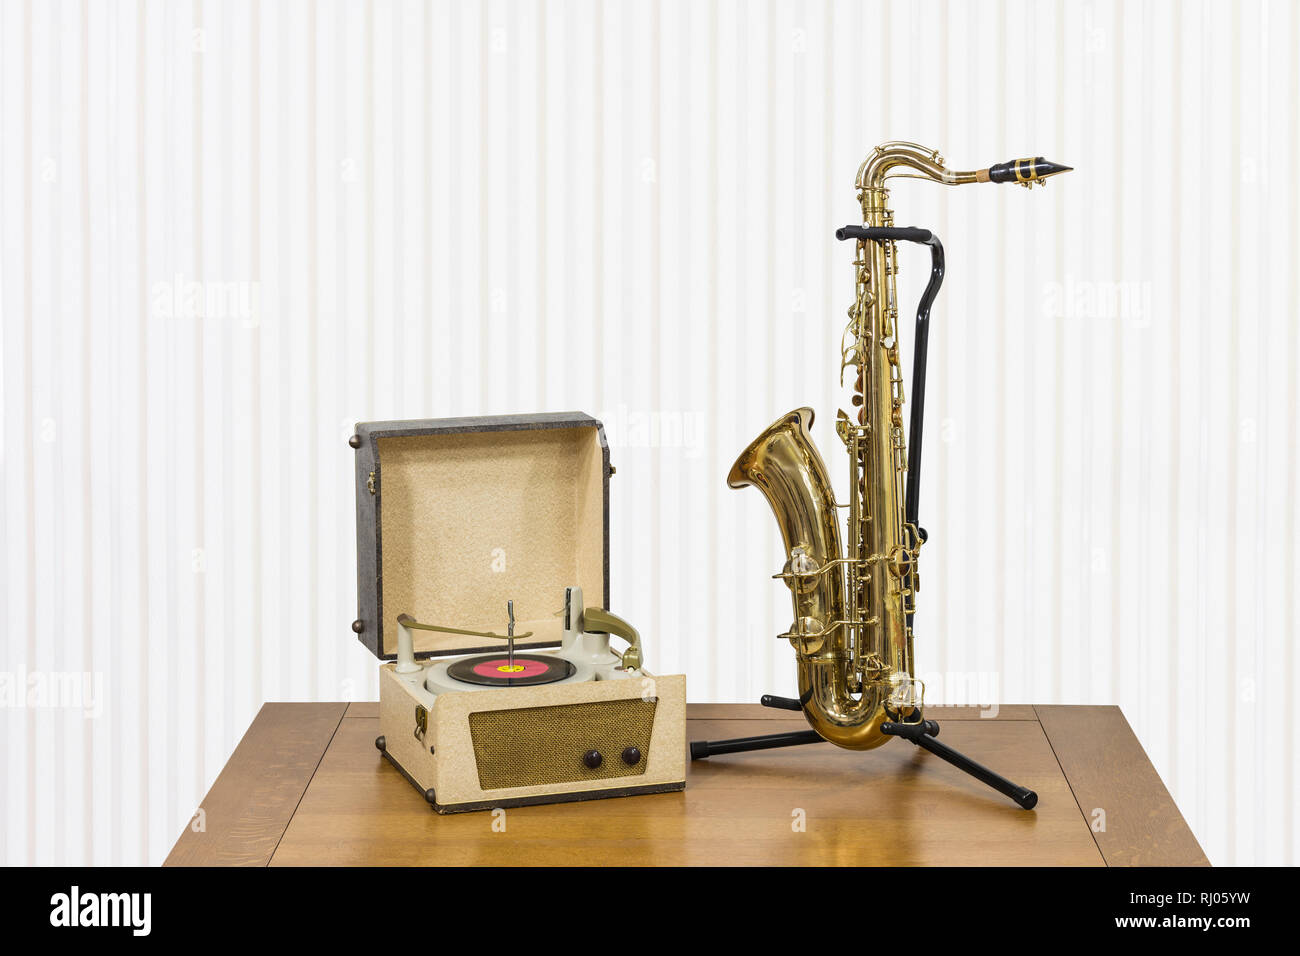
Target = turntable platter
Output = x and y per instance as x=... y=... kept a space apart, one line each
x=496 y=670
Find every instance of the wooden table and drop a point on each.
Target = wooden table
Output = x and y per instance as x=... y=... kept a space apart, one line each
x=306 y=786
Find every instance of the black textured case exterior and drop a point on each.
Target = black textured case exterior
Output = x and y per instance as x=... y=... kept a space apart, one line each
x=370 y=586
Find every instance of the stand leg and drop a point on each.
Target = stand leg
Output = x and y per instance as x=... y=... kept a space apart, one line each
x=923 y=735
x=715 y=748
x=780 y=703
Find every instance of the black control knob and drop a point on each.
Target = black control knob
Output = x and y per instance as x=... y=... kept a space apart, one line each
x=592 y=759
x=631 y=756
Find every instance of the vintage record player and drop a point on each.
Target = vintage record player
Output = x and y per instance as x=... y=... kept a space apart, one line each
x=483 y=583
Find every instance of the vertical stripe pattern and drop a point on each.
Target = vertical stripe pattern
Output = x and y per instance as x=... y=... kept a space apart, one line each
x=232 y=228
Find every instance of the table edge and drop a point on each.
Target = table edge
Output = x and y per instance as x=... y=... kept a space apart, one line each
x=1081 y=735
x=277 y=727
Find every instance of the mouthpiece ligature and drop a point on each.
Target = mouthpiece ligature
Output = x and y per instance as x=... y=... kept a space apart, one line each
x=1026 y=172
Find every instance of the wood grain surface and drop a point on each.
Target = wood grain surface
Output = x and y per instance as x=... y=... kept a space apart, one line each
x=250 y=805
x=1134 y=818
x=809 y=805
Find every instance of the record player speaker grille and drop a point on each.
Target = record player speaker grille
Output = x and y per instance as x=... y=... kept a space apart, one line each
x=534 y=746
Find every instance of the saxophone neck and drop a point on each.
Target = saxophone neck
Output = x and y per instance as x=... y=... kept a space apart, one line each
x=920 y=162
x=907 y=159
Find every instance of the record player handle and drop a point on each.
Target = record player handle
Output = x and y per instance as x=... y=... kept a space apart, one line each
x=595 y=619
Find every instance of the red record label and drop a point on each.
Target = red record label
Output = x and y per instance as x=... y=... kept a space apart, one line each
x=495 y=670
x=500 y=667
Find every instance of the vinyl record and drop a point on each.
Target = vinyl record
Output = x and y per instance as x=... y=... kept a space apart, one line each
x=494 y=670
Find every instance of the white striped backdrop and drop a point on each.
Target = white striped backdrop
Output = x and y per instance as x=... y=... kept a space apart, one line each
x=433 y=209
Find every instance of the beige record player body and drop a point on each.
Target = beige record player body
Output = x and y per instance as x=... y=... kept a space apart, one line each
x=458 y=519
x=602 y=729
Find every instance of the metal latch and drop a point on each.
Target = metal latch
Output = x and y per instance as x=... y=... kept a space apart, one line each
x=421 y=722
x=370 y=483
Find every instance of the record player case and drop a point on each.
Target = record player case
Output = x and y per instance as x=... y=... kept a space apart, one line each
x=455 y=517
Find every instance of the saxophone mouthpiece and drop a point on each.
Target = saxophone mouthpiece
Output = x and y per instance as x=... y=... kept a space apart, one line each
x=1026 y=172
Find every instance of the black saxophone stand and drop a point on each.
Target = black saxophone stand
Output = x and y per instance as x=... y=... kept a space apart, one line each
x=922 y=733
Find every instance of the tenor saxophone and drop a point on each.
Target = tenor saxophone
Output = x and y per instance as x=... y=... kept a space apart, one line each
x=854 y=599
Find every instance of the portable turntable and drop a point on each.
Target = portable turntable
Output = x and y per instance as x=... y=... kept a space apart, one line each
x=477 y=541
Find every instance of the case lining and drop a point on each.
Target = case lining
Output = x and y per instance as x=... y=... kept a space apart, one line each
x=472 y=519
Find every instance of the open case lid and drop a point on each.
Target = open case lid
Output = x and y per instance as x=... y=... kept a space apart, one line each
x=456 y=516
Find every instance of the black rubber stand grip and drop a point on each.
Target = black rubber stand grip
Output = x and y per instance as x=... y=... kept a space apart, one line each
x=1023 y=796
x=912 y=730
x=883 y=233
